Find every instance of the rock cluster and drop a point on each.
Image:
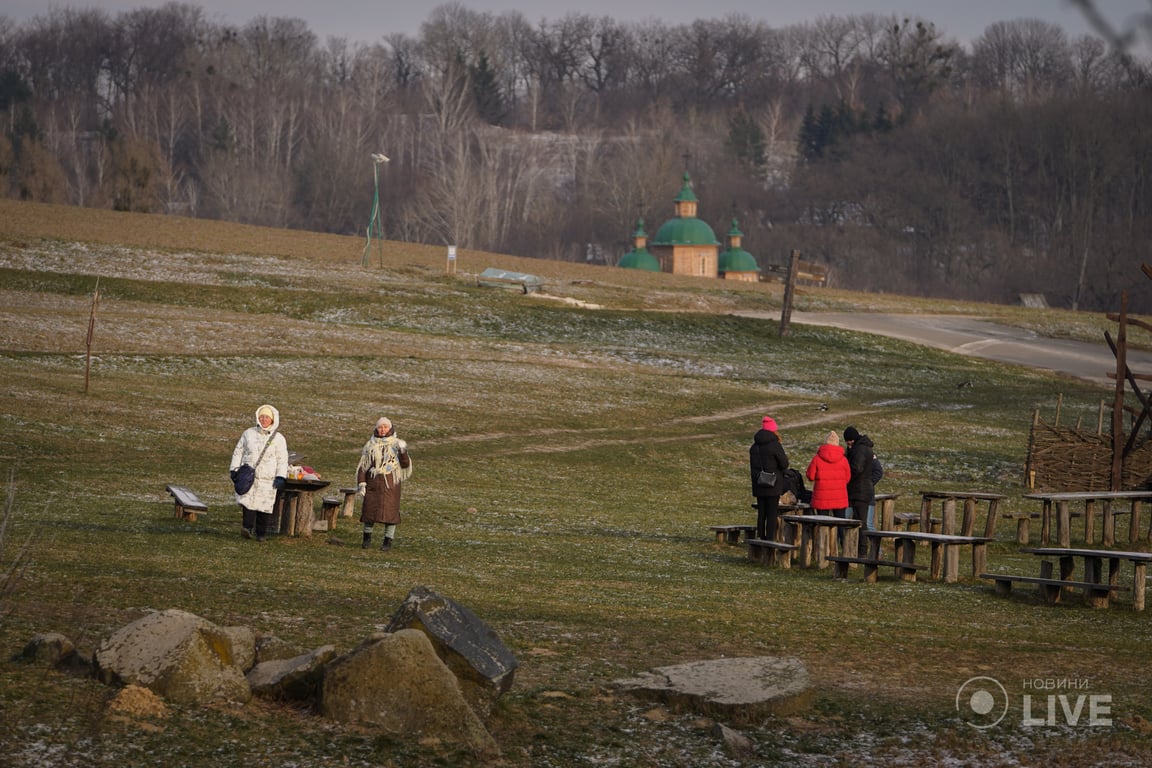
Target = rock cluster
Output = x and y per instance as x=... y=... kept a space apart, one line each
x=434 y=674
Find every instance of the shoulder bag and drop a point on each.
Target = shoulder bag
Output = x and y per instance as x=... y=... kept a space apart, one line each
x=245 y=475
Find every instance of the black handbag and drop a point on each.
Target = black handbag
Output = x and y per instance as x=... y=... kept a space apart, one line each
x=766 y=478
x=242 y=478
x=245 y=475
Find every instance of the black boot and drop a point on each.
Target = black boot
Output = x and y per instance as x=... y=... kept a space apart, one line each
x=367 y=541
x=247 y=522
x=387 y=545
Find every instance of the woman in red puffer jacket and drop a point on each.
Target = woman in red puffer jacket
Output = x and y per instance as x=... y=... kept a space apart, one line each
x=829 y=473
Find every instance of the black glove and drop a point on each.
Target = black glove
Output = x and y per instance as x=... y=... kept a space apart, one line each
x=232 y=474
x=278 y=483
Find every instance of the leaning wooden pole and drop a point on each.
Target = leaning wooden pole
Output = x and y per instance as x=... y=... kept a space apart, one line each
x=789 y=292
x=1118 y=403
x=91 y=334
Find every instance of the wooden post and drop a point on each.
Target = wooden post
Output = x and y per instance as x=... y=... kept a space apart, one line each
x=91 y=333
x=1118 y=403
x=789 y=291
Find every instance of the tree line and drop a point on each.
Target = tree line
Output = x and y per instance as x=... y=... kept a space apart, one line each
x=906 y=161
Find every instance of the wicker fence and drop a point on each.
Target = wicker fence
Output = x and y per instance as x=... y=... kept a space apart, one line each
x=1073 y=459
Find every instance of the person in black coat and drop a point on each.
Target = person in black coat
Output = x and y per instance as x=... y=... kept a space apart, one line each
x=767 y=454
x=861 y=488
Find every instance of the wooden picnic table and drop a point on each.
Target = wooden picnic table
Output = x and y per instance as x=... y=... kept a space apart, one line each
x=815 y=536
x=945 y=562
x=1093 y=572
x=948 y=511
x=295 y=509
x=1058 y=505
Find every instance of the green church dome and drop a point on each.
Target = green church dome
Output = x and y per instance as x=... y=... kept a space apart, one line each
x=685 y=232
x=639 y=258
x=737 y=260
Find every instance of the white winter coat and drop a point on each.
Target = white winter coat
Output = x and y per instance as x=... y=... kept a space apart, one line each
x=261 y=497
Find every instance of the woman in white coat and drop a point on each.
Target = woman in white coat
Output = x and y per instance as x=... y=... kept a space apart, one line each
x=264 y=448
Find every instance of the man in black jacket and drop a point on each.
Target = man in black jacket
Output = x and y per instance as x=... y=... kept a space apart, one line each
x=861 y=490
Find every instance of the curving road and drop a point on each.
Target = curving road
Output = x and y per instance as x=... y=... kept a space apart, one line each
x=990 y=341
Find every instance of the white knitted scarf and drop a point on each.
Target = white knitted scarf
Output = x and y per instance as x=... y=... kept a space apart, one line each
x=381 y=456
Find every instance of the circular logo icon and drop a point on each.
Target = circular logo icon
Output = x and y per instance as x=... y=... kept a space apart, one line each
x=981 y=702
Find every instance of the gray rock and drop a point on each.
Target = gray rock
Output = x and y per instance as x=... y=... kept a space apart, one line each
x=179 y=656
x=397 y=683
x=471 y=649
x=741 y=690
x=296 y=678
x=736 y=744
x=49 y=648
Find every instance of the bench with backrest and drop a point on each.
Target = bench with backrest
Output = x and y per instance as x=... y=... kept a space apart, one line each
x=188 y=504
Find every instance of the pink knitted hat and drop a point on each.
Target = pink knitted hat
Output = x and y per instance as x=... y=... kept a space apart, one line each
x=769 y=424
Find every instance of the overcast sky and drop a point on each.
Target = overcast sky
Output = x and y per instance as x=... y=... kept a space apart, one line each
x=370 y=20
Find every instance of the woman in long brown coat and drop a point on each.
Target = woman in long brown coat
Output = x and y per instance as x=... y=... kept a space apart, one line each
x=384 y=466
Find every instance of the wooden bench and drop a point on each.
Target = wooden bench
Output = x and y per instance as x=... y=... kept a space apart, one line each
x=807 y=273
x=188 y=504
x=769 y=553
x=1095 y=594
x=730 y=534
x=333 y=506
x=906 y=571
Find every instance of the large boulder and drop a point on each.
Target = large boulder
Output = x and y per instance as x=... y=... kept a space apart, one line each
x=470 y=648
x=397 y=683
x=295 y=678
x=179 y=656
x=740 y=690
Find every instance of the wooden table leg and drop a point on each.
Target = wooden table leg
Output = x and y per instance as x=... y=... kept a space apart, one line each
x=821 y=536
x=806 y=546
x=906 y=553
x=979 y=558
x=1046 y=522
x=948 y=518
x=992 y=519
x=887 y=514
x=936 y=566
x=1089 y=521
x=968 y=522
x=951 y=563
x=1134 y=523
x=926 y=514
x=1138 y=585
x=1063 y=525
x=1108 y=537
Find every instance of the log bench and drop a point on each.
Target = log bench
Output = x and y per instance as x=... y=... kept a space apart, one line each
x=188 y=504
x=333 y=506
x=906 y=571
x=1095 y=594
x=769 y=553
x=730 y=534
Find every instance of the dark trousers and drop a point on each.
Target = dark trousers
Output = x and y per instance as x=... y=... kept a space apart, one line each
x=860 y=512
x=767 y=517
x=257 y=523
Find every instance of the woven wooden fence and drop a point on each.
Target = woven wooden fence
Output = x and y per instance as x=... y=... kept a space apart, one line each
x=1074 y=459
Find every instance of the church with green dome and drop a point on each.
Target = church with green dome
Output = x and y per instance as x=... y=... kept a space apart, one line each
x=686 y=245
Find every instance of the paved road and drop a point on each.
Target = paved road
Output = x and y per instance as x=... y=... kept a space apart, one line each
x=980 y=338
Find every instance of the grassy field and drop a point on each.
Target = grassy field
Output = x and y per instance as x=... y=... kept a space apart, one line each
x=571 y=450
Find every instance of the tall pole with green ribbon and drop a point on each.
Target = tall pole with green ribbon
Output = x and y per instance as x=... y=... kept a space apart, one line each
x=376 y=223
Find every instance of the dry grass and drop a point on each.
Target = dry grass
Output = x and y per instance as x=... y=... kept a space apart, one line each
x=568 y=463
